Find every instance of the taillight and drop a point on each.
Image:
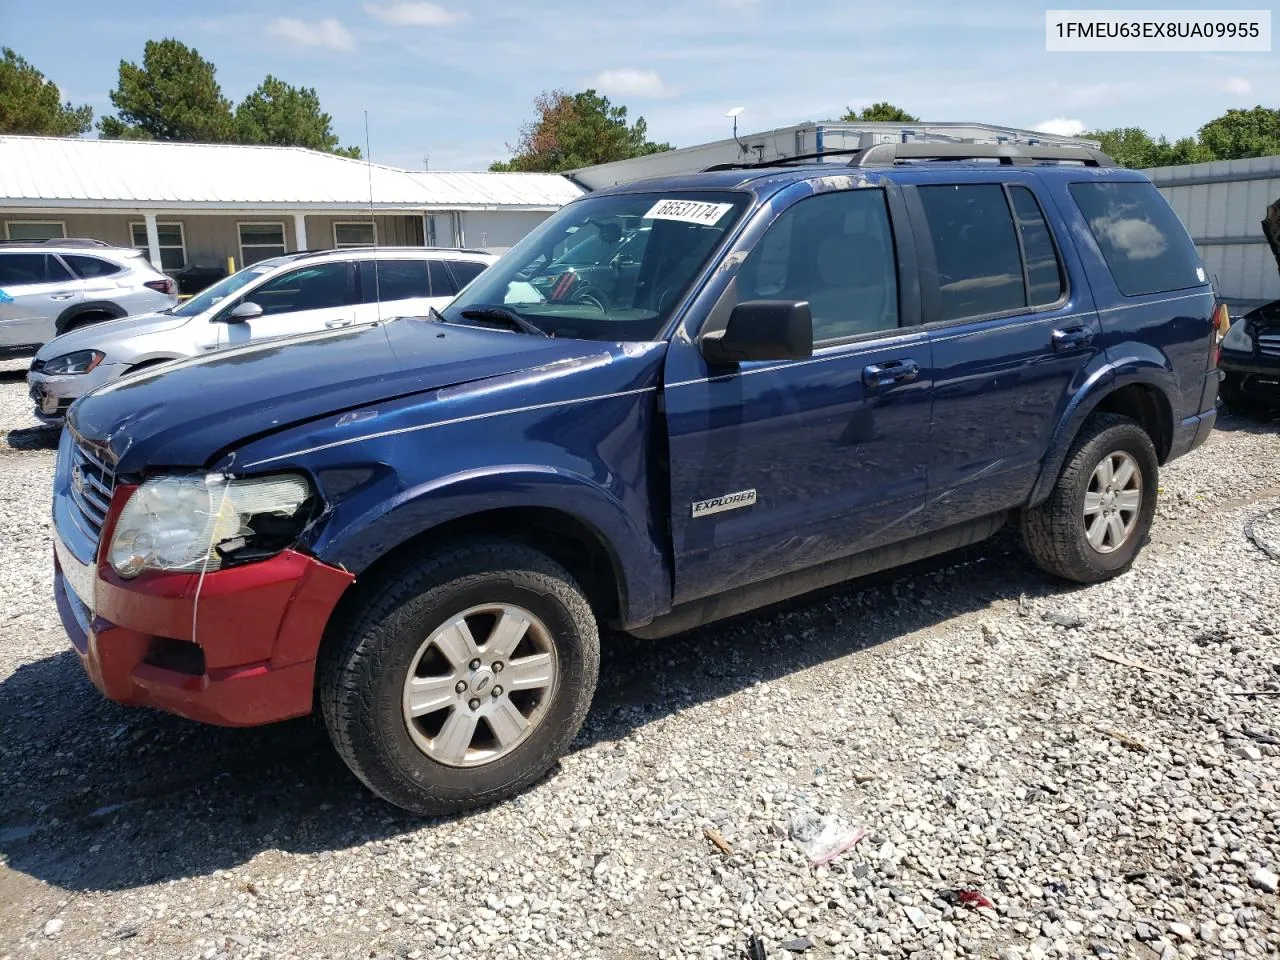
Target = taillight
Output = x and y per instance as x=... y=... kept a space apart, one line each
x=164 y=286
x=1221 y=320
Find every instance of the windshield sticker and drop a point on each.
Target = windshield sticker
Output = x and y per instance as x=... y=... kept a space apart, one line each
x=689 y=211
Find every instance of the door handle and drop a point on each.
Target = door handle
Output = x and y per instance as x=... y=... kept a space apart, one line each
x=61 y=296
x=339 y=322
x=890 y=372
x=1073 y=338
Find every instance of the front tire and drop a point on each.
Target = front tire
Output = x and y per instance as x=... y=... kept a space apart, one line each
x=461 y=678
x=1096 y=519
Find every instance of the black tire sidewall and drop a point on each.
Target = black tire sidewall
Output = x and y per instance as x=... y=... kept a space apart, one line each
x=385 y=755
x=1130 y=439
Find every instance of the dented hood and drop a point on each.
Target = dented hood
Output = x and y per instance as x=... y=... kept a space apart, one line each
x=185 y=413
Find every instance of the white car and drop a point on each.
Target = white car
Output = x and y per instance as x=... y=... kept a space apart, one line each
x=280 y=297
x=50 y=287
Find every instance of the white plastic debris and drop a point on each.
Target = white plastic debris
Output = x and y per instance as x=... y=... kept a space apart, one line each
x=823 y=838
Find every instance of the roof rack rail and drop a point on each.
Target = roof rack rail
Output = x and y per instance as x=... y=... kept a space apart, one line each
x=780 y=162
x=887 y=154
x=388 y=248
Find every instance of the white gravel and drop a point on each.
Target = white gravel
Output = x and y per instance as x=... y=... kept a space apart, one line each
x=961 y=711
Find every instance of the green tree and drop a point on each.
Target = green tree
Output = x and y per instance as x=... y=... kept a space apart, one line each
x=1243 y=133
x=174 y=95
x=283 y=115
x=1131 y=146
x=33 y=105
x=881 y=112
x=577 y=130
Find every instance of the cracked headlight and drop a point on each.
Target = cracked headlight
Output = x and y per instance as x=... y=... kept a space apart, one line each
x=203 y=523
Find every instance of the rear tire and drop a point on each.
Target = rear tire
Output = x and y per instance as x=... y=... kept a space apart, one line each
x=401 y=640
x=1111 y=451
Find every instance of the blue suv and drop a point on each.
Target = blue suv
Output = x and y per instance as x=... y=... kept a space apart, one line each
x=786 y=377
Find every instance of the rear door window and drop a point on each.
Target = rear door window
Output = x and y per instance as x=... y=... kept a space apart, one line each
x=1044 y=270
x=442 y=284
x=979 y=265
x=394 y=280
x=1144 y=244
x=464 y=271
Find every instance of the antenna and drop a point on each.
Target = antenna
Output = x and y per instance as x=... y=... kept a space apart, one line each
x=373 y=220
x=733 y=115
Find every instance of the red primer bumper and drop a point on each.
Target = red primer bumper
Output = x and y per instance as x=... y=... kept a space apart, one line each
x=259 y=627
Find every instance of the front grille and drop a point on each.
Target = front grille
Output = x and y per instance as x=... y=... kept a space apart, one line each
x=92 y=483
x=1269 y=344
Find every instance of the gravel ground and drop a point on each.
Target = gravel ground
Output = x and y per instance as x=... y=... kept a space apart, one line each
x=1102 y=764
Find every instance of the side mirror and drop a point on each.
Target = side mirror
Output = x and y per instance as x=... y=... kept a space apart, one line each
x=762 y=330
x=247 y=310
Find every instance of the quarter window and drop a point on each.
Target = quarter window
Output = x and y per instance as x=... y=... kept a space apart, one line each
x=91 y=266
x=1144 y=244
x=356 y=234
x=979 y=267
x=35 y=230
x=836 y=251
x=258 y=241
x=173 y=246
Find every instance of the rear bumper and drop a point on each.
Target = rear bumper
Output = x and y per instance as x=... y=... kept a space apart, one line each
x=243 y=655
x=1191 y=433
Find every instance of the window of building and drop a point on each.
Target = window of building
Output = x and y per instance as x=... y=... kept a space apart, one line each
x=173 y=246
x=258 y=241
x=836 y=251
x=1145 y=245
x=91 y=266
x=979 y=267
x=18 y=269
x=1044 y=270
x=358 y=233
x=35 y=230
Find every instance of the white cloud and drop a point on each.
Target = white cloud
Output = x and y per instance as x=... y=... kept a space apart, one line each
x=1062 y=127
x=328 y=32
x=632 y=83
x=411 y=13
x=1236 y=86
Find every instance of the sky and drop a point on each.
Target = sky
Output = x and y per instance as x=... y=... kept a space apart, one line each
x=453 y=80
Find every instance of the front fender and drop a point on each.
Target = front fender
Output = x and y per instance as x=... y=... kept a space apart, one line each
x=390 y=521
x=1139 y=365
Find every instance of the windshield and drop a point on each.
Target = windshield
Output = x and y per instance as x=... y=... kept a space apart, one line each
x=605 y=268
x=206 y=298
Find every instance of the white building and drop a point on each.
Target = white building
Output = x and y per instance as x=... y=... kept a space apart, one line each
x=199 y=204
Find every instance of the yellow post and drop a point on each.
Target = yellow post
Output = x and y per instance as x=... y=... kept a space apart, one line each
x=231 y=265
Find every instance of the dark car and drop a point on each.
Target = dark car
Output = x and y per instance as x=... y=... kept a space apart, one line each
x=821 y=369
x=1250 y=361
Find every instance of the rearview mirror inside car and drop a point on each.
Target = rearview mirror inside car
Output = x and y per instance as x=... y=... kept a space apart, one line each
x=762 y=330
x=242 y=312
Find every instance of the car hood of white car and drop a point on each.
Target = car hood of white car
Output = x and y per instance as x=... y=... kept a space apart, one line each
x=112 y=333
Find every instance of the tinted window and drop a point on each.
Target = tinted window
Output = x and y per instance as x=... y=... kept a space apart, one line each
x=21 y=268
x=979 y=269
x=1044 y=272
x=834 y=250
x=316 y=287
x=1145 y=246
x=91 y=266
x=442 y=284
x=396 y=280
x=464 y=271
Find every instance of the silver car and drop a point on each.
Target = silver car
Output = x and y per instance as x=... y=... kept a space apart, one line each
x=280 y=297
x=48 y=288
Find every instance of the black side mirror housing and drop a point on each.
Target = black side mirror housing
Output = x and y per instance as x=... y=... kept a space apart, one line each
x=762 y=330
x=242 y=312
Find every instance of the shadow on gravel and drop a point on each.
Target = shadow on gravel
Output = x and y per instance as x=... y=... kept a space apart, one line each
x=33 y=438
x=1259 y=422
x=13 y=375
x=98 y=797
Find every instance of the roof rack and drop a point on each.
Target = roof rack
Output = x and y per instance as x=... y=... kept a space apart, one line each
x=386 y=248
x=887 y=154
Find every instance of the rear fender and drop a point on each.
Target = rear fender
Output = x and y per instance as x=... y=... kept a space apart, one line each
x=69 y=315
x=640 y=569
x=1141 y=366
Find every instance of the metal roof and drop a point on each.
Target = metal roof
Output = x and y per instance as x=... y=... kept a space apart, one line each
x=104 y=174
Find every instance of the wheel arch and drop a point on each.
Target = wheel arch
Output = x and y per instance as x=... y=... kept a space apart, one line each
x=69 y=316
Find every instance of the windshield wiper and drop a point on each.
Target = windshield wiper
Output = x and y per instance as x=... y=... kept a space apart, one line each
x=503 y=315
